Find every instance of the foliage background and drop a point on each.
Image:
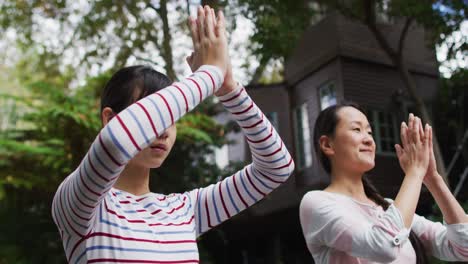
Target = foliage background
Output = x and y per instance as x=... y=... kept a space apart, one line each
x=58 y=55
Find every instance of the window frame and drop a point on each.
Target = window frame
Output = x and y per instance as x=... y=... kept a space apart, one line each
x=303 y=144
x=321 y=88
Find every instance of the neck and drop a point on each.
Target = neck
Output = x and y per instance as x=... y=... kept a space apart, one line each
x=134 y=179
x=349 y=184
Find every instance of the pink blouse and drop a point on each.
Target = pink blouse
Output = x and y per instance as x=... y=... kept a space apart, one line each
x=339 y=229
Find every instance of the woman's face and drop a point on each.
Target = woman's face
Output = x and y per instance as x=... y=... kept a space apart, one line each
x=352 y=148
x=154 y=155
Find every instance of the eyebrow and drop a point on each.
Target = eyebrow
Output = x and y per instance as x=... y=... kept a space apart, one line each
x=360 y=123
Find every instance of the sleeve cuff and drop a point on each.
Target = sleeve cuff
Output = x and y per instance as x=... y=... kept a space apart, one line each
x=403 y=233
x=458 y=233
x=232 y=94
x=215 y=73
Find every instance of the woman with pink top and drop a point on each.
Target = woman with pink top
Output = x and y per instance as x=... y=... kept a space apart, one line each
x=349 y=222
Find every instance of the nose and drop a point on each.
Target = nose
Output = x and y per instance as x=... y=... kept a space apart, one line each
x=164 y=135
x=368 y=140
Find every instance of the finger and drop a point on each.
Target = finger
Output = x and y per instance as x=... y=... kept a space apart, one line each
x=413 y=129
x=192 y=23
x=427 y=137
x=209 y=29
x=430 y=137
x=411 y=138
x=220 y=24
x=213 y=17
x=201 y=23
x=404 y=134
x=428 y=131
x=417 y=131
x=189 y=58
x=399 y=150
x=422 y=130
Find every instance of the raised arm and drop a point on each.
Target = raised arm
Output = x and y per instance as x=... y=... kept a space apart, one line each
x=78 y=198
x=450 y=241
x=451 y=209
x=447 y=242
x=272 y=164
x=413 y=156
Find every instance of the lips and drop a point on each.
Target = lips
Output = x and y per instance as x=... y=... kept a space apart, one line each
x=365 y=150
x=159 y=146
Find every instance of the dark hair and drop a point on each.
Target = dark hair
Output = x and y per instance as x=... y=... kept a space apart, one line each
x=130 y=84
x=326 y=125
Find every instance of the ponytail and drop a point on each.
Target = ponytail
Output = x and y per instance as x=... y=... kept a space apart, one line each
x=373 y=194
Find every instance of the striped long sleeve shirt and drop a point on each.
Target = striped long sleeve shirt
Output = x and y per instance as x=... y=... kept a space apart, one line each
x=339 y=229
x=100 y=224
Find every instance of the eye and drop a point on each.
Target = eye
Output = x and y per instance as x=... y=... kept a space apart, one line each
x=369 y=132
x=357 y=129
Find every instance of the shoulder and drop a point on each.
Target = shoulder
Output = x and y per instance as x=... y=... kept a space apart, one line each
x=320 y=203
x=320 y=209
x=319 y=197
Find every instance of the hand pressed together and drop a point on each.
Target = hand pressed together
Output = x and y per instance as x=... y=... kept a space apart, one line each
x=208 y=34
x=414 y=153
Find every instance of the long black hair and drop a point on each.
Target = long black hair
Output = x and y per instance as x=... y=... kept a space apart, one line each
x=326 y=125
x=130 y=84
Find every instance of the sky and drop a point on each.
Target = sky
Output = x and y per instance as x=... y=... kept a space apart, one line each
x=461 y=60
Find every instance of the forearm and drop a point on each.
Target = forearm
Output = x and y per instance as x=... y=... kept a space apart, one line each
x=451 y=209
x=407 y=198
x=269 y=154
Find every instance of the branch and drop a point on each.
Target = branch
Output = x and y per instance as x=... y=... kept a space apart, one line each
x=157 y=10
x=403 y=35
x=145 y=59
x=372 y=25
x=259 y=71
x=187 y=7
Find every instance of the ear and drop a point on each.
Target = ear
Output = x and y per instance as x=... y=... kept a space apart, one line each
x=326 y=145
x=106 y=115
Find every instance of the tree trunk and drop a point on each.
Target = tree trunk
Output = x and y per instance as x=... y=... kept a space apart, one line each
x=422 y=109
x=259 y=71
x=397 y=58
x=166 y=51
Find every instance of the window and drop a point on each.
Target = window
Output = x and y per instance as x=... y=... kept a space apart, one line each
x=273 y=118
x=327 y=94
x=384 y=128
x=303 y=138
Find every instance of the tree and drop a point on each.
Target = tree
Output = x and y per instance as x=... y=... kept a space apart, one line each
x=98 y=33
x=452 y=119
x=278 y=27
x=57 y=118
x=440 y=17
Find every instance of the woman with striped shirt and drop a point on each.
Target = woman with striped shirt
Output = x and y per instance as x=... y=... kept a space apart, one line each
x=104 y=209
x=349 y=222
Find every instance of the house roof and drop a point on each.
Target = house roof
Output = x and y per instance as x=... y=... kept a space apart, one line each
x=337 y=35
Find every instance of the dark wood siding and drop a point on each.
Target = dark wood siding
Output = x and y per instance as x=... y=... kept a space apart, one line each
x=306 y=91
x=373 y=85
x=338 y=36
